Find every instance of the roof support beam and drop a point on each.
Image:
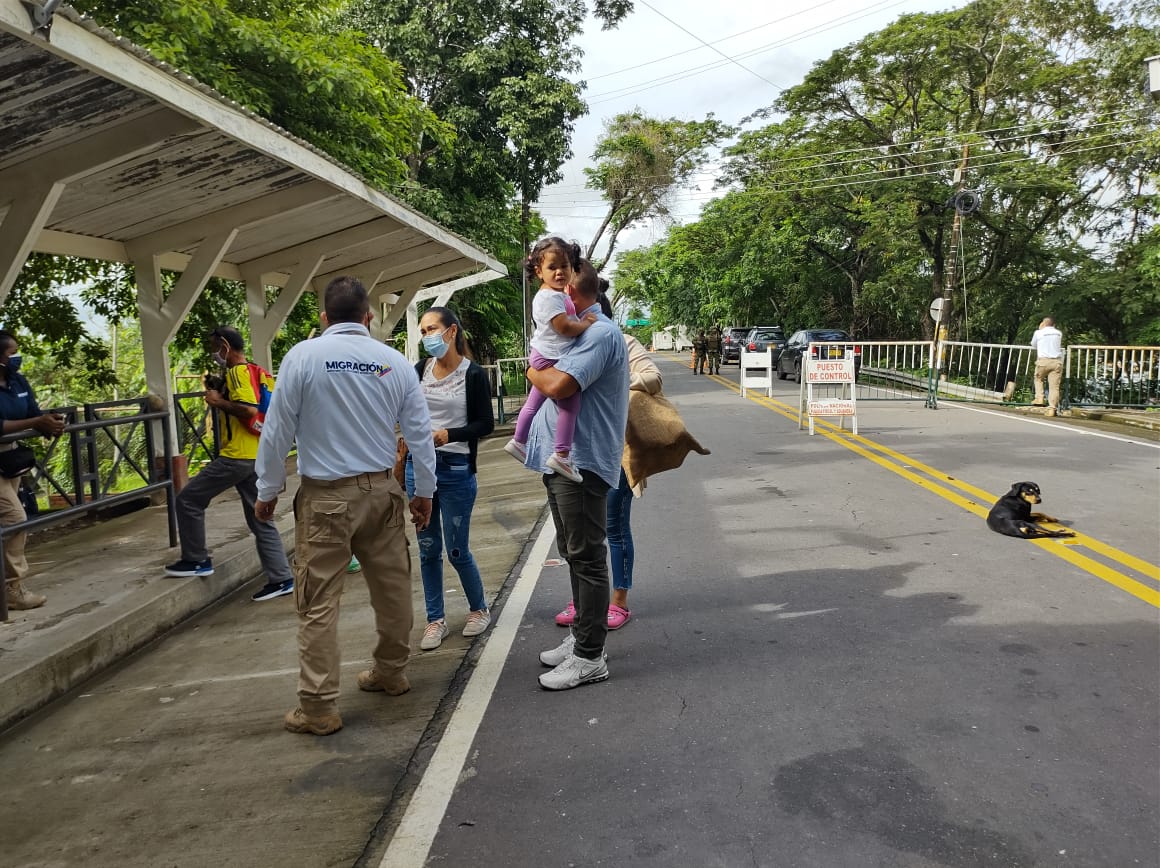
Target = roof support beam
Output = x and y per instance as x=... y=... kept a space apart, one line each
x=21 y=226
x=399 y=264
x=381 y=230
x=398 y=309
x=244 y=215
x=161 y=317
x=439 y=295
x=414 y=282
x=266 y=321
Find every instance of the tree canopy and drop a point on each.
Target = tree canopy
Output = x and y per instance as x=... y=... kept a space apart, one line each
x=638 y=162
x=838 y=211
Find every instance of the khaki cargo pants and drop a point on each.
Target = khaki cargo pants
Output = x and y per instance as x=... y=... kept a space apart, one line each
x=364 y=515
x=1052 y=371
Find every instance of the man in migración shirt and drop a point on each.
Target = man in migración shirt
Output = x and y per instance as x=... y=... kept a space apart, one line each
x=341 y=396
x=597 y=364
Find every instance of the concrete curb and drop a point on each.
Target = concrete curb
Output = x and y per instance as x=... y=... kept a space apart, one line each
x=1147 y=421
x=133 y=622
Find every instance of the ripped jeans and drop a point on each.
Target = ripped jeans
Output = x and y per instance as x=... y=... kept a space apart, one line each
x=451 y=525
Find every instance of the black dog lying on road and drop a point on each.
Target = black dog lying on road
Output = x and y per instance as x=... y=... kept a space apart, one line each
x=1012 y=514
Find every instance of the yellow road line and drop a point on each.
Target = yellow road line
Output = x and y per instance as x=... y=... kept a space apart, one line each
x=979 y=504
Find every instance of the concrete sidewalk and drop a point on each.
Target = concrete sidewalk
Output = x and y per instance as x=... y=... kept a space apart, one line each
x=108 y=596
x=177 y=756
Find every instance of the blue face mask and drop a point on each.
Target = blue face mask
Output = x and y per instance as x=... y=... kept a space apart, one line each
x=435 y=345
x=14 y=363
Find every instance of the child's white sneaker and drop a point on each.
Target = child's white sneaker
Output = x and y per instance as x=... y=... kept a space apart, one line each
x=564 y=466
x=516 y=450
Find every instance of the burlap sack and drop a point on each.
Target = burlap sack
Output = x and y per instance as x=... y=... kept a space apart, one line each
x=656 y=438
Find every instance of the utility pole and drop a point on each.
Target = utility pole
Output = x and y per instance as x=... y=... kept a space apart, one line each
x=950 y=277
x=525 y=214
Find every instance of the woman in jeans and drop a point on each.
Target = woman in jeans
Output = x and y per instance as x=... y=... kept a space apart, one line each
x=459 y=399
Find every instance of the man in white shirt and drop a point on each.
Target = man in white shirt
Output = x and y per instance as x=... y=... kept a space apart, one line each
x=1048 y=344
x=341 y=396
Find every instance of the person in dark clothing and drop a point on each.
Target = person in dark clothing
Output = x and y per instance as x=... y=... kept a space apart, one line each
x=18 y=412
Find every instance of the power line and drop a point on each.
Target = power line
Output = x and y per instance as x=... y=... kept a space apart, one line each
x=861 y=179
x=680 y=75
x=714 y=42
x=952 y=141
x=732 y=60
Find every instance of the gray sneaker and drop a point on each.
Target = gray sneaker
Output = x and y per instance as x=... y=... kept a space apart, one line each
x=560 y=653
x=575 y=671
x=477 y=622
x=433 y=636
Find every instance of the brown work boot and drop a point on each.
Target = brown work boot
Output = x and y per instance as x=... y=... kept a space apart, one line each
x=297 y=720
x=372 y=681
x=20 y=599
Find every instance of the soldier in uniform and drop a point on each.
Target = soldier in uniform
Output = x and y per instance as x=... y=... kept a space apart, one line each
x=700 y=343
x=713 y=349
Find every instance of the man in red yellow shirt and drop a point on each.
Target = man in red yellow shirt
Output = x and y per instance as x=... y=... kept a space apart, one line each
x=233 y=468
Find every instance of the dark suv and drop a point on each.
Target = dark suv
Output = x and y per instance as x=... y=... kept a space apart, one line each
x=789 y=363
x=763 y=338
x=732 y=340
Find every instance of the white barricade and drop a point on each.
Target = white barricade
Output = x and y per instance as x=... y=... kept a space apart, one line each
x=824 y=374
x=757 y=372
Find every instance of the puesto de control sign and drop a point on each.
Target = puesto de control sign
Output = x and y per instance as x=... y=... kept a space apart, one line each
x=830 y=370
x=833 y=378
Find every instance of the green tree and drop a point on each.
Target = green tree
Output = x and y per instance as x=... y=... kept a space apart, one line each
x=841 y=210
x=298 y=64
x=639 y=161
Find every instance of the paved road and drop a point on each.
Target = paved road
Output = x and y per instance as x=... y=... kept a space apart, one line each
x=833 y=662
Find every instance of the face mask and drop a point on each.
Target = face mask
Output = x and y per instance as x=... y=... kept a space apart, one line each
x=14 y=363
x=220 y=360
x=435 y=345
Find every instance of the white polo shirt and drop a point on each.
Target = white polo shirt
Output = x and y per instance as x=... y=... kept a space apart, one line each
x=1048 y=343
x=340 y=396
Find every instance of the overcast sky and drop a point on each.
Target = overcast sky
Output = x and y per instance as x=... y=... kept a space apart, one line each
x=778 y=43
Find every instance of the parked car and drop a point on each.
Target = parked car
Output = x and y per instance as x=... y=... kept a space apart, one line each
x=732 y=339
x=762 y=338
x=790 y=361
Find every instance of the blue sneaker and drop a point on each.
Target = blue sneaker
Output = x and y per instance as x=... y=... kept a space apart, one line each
x=273 y=589
x=190 y=568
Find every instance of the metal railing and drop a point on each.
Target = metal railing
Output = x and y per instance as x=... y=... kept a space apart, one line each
x=987 y=373
x=1111 y=376
x=891 y=370
x=509 y=386
x=99 y=450
x=198 y=428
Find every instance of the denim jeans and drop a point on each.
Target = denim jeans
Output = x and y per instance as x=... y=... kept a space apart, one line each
x=620 y=549
x=451 y=525
x=580 y=510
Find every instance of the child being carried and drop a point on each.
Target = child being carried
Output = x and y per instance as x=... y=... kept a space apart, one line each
x=553 y=262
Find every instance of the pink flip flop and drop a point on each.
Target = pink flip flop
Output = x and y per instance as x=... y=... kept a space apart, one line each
x=617 y=617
